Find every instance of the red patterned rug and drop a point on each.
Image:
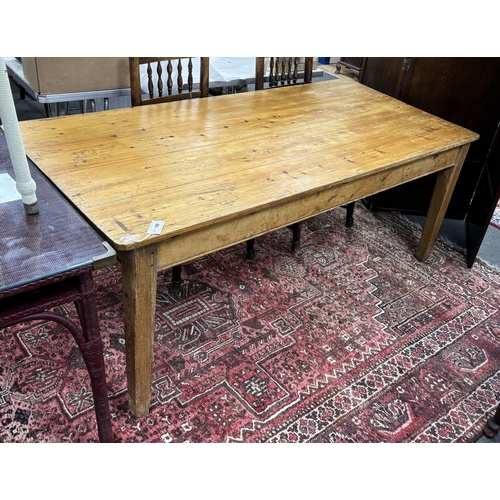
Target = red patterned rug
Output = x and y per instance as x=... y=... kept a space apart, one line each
x=350 y=340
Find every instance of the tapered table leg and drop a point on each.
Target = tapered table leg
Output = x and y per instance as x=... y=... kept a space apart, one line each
x=139 y=269
x=445 y=184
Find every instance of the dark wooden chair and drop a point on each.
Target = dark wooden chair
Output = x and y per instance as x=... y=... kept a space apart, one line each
x=281 y=71
x=168 y=85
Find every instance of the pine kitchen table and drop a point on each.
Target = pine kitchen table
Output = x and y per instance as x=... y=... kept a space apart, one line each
x=222 y=170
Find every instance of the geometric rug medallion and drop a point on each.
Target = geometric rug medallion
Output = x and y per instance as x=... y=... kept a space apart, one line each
x=349 y=340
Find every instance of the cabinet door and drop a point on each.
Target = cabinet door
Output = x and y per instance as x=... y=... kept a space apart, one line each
x=383 y=74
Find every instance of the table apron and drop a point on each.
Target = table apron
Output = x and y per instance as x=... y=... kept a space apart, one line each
x=226 y=233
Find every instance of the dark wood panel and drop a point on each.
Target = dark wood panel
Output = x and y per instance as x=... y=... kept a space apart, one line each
x=382 y=74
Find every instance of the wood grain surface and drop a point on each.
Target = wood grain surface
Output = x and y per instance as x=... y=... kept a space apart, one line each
x=195 y=162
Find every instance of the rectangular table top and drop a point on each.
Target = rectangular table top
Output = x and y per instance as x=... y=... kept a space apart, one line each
x=194 y=163
x=55 y=240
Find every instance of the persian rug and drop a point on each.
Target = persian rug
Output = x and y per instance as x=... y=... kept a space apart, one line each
x=350 y=340
x=495 y=220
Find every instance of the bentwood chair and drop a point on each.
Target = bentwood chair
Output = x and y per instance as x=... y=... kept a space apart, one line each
x=172 y=80
x=274 y=73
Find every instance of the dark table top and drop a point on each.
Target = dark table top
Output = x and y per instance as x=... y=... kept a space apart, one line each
x=55 y=240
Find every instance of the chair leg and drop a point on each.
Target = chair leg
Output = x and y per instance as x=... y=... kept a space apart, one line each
x=349 y=218
x=296 y=230
x=251 y=249
x=492 y=427
x=92 y=352
x=176 y=278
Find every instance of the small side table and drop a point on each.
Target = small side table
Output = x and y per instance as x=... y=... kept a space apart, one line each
x=47 y=260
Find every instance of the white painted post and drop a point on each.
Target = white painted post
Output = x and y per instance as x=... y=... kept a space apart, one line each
x=24 y=183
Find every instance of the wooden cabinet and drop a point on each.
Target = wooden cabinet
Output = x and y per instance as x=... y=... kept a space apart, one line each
x=464 y=91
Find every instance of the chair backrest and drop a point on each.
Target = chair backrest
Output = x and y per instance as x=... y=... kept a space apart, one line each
x=282 y=71
x=174 y=79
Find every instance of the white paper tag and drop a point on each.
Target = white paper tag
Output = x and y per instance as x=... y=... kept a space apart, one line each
x=156 y=227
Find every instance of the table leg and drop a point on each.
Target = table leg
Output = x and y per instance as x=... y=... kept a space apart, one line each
x=445 y=184
x=139 y=270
